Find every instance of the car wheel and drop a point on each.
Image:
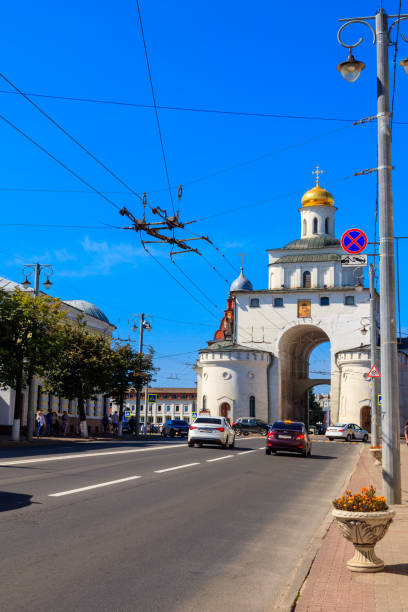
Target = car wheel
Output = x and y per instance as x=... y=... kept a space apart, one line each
x=305 y=453
x=264 y=432
x=246 y=433
x=238 y=432
x=200 y=444
x=348 y=438
x=191 y=444
x=331 y=439
x=365 y=438
x=267 y=451
x=172 y=433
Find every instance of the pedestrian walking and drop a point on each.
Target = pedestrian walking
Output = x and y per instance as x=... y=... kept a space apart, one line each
x=65 y=423
x=55 y=424
x=105 y=423
x=49 y=420
x=115 y=422
x=40 y=423
x=406 y=431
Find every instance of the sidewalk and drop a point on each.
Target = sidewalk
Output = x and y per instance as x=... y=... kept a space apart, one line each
x=331 y=587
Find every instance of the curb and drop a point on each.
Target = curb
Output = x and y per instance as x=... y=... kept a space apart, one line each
x=288 y=597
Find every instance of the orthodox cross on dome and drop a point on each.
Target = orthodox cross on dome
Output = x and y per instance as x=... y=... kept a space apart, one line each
x=242 y=255
x=317 y=172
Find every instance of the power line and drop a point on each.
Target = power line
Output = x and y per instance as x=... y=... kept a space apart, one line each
x=155 y=109
x=77 y=176
x=212 y=111
x=64 y=131
x=196 y=286
x=54 y=225
x=184 y=322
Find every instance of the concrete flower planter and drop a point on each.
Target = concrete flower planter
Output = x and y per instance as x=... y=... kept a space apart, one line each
x=377 y=454
x=364 y=530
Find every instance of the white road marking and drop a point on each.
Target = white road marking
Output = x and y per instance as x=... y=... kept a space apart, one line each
x=177 y=467
x=219 y=458
x=86 y=455
x=261 y=448
x=249 y=451
x=96 y=486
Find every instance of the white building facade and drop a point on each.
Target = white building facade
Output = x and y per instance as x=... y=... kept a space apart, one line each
x=164 y=403
x=263 y=346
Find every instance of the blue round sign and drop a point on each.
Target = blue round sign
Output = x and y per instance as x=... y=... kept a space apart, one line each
x=354 y=241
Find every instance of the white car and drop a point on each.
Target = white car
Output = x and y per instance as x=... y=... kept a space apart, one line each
x=211 y=430
x=346 y=431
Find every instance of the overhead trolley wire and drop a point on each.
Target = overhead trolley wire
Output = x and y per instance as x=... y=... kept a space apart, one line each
x=155 y=108
x=212 y=111
x=75 y=174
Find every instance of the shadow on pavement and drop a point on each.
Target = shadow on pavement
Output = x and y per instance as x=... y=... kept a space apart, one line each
x=297 y=455
x=14 y=501
x=397 y=568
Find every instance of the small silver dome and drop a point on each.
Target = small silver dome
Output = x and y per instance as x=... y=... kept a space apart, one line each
x=89 y=309
x=241 y=283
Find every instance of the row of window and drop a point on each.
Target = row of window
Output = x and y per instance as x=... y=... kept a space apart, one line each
x=163 y=396
x=324 y=301
x=159 y=408
x=315 y=226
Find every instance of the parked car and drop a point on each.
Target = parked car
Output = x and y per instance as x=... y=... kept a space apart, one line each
x=211 y=430
x=346 y=431
x=288 y=436
x=244 y=426
x=174 y=428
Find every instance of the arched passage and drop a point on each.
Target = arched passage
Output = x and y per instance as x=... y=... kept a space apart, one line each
x=295 y=347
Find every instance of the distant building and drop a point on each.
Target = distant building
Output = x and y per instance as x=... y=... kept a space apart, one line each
x=167 y=403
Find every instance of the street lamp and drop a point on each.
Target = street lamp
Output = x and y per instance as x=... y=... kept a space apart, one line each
x=350 y=69
x=143 y=325
x=37 y=271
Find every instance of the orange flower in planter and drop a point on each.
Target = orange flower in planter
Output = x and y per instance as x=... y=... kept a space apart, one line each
x=365 y=501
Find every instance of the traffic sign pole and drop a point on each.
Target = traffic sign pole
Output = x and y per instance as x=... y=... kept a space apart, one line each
x=375 y=421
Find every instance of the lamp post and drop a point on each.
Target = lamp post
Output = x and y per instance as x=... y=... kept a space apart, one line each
x=26 y=284
x=350 y=70
x=143 y=325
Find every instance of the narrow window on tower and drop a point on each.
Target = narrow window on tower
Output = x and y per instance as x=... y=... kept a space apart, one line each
x=304 y=227
x=254 y=303
x=252 y=406
x=326 y=225
x=204 y=403
x=307 y=280
x=315 y=225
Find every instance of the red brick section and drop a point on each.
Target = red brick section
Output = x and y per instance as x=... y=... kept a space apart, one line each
x=331 y=587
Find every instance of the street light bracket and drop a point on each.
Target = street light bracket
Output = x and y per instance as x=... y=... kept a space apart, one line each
x=402 y=18
x=351 y=21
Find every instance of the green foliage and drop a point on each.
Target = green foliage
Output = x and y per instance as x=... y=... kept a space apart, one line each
x=316 y=414
x=129 y=370
x=82 y=368
x=29 y=338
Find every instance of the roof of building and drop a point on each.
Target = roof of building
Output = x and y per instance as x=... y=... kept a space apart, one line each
x=8 y=285
x=241 y=283
x=317 y=242
x=228 y=346
x=308 y=258
x=88 y=308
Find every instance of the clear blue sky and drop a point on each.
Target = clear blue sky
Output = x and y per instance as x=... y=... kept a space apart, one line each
x=231 y=56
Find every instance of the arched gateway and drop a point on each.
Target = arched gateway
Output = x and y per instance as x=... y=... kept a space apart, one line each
x=295 y=347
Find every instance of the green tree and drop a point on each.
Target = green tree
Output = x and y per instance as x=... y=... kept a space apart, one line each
x=316 y=414
x=82 y=369
x=129 y=370
x=29 y=340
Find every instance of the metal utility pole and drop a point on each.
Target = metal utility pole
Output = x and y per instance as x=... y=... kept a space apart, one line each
x=350 y=70
x=31 y=387
x=375 y=417
x=138 y=391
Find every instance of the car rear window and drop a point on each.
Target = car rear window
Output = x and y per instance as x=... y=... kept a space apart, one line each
x=208 y=420
x=283 y=425
x=178 y=422
x=339 y=425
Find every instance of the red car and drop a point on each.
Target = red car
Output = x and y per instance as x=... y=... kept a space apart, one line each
x=288 y=436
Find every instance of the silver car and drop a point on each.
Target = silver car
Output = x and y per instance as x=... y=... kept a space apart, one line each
x=211 y=430
x=347 y=431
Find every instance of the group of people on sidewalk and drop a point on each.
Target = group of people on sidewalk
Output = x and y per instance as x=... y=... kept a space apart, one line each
x=51 y=424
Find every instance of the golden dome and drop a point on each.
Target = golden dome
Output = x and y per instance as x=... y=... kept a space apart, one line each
x=317 y=196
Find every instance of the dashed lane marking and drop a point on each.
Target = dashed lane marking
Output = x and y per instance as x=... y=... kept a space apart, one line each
x=177 y=467
x=88 y=455
x=248 y=451
x=96 y=486
x=219 y=458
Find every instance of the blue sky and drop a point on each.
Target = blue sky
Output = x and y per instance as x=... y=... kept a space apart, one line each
x=228 y=56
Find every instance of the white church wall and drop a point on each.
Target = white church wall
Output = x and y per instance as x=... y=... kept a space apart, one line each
x=355 y=388
x=403 y=387
x=321 y=213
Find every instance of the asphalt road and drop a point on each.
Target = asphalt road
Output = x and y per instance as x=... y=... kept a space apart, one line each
x=168 y=528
